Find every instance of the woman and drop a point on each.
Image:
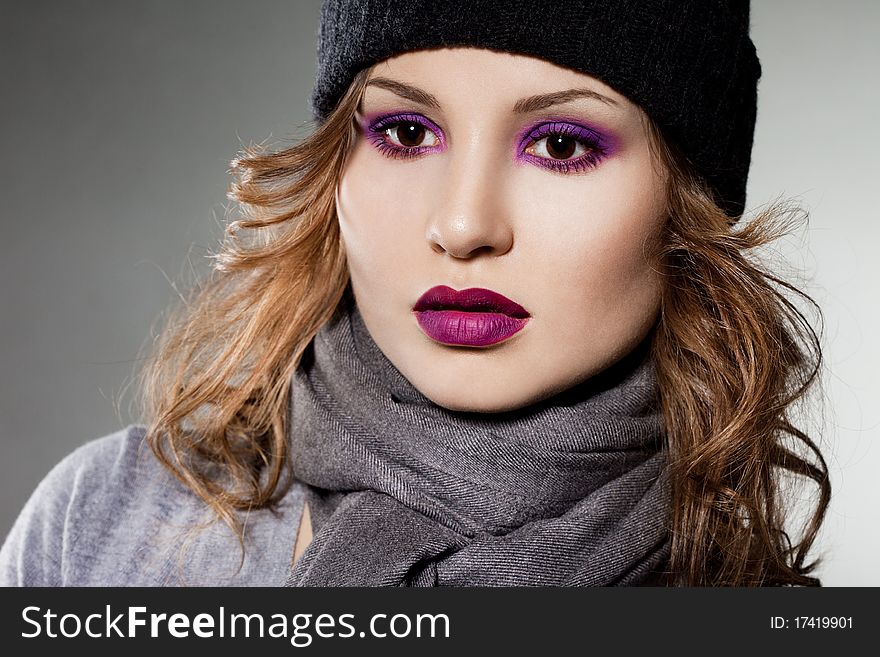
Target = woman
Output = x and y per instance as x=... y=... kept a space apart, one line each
x=493 y=323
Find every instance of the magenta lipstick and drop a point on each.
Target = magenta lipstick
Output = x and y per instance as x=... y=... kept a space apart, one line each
x=473 y=317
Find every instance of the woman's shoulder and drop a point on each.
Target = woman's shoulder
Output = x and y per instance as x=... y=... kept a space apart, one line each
x=117 y=461
x=36 y=551
x=109 y=513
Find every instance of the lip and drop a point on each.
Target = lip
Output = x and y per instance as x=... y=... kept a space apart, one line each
x=471 y=317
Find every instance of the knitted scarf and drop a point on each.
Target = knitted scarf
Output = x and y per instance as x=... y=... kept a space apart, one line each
x=403 y=492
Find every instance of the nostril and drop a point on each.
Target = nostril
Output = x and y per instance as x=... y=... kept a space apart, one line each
x=471 y=243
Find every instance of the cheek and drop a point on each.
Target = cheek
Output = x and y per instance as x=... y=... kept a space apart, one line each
x=376 y=209
x=597 y=241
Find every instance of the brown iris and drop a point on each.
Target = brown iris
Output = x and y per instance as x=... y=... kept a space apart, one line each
x=410 y=134
x=561 y=147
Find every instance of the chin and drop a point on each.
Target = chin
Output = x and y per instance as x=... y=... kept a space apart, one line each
x=465 y=400
x=472 y=405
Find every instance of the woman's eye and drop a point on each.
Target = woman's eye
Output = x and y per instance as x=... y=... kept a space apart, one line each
x=558 y=147
x=410 y=134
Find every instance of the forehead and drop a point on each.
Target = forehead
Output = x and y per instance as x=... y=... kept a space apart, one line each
x=479 y=75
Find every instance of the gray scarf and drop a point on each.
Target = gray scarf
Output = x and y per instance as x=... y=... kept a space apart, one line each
x=403 y=492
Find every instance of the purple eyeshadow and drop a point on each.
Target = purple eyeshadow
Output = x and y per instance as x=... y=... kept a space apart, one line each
x=598 y=145
x=583 y=133
x=375 y=125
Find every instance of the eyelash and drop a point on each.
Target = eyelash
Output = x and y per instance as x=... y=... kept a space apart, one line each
x=376 y=135
x=589 y=139
x=377 y=131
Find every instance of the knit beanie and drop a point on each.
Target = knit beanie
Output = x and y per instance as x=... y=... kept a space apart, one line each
x=689 y=64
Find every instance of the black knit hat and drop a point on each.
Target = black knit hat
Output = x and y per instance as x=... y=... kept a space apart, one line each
x=690 y=64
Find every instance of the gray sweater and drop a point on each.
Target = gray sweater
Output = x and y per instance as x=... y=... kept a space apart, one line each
x=110 y=515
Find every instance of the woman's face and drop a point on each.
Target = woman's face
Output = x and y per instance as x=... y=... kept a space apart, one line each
x=480 y=169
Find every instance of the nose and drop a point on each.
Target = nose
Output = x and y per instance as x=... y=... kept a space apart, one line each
x=469 y=217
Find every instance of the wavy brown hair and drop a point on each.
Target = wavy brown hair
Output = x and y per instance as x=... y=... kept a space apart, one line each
x=734 y=354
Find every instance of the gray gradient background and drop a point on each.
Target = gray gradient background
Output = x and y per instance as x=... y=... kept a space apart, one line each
x=119 y=119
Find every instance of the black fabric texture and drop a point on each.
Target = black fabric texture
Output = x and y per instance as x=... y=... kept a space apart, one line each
x=690 y=64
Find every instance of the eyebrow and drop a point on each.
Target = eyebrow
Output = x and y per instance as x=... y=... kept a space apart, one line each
x=522 y=106
x=541 y=101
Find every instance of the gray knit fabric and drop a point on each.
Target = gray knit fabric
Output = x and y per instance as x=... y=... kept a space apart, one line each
x=109 y=514
x=402 y=492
